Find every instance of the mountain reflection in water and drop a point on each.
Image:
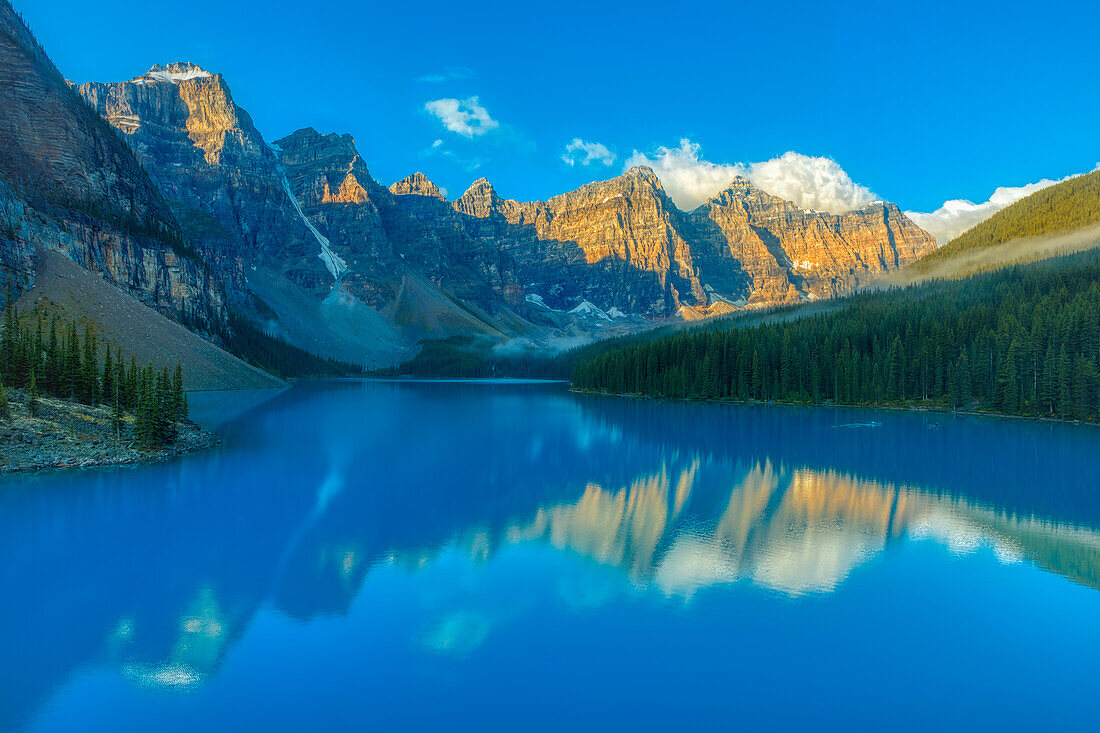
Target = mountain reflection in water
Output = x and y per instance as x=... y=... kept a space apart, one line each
x=155 y=572
x=794 y=531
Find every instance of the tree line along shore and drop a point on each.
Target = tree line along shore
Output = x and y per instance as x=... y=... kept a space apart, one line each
x=1020 y=341
x=66 y=398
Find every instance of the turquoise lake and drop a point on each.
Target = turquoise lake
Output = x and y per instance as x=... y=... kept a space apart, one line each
x=404 y=556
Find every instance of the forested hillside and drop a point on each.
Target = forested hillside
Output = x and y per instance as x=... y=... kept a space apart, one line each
x=1022 y=341
x=1061 y=208
x=53 y=359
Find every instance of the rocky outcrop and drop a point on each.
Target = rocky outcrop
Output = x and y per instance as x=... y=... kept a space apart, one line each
x=70 y=184
x=433 y=237
x=417 y=185
x=337 y=194
x=614 y=243
x=207 y=158
x=623 y=244
x=787 y=253
x=384 y=233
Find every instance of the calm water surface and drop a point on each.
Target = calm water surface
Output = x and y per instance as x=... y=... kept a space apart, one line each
x=503 y=557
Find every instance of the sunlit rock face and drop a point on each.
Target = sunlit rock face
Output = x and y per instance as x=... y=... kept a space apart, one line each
x=67 y=183
x=417 y=185
x=613 y=243
x=789 y=253
x=429 y=232
x=305 y=209
x=622 y=243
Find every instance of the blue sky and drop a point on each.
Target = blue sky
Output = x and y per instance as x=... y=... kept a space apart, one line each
x=918 y=104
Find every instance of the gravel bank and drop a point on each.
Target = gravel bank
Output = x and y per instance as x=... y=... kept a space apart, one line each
x=68 y=435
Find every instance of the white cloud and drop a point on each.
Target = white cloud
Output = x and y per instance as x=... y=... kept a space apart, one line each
x=811 y=182
x=689 y=179
x=463 y=116
x=437 y=143
x=583 y=152
x=958 y=215
x=450 y=73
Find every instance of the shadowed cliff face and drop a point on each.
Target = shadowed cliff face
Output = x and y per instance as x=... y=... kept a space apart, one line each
x=207 y=157
x=337 y=193
x=383 y=234
x=68 y=183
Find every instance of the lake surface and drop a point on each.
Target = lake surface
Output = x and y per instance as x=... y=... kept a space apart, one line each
x=512 y=557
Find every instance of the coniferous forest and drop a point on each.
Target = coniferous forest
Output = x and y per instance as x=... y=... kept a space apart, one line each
x=1020 y=341
x=1065 y=207
x=278 y=356
x=63 y=361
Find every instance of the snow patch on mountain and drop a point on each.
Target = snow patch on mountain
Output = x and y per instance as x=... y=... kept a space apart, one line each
x=537 y=300
x=590 y=310
x=716 y=296
x=173 y=74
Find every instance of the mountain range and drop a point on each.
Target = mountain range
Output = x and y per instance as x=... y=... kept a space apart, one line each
x=163 y=186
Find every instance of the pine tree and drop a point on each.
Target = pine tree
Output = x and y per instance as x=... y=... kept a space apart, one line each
x=5 y=408
x=179 y=406
x=32 y=395
x=89 y=368
x=107 y=383
x=117 y=418
x=756 y=376
x=71 y=365
x=145 y=418
x=8 y=340
x=1023 y=340
x=166 y=407
x=52 y=373
x=133 y=386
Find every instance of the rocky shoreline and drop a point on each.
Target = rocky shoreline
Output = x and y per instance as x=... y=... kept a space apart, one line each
x=70 y=435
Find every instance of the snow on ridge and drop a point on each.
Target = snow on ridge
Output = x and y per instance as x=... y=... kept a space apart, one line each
x=537 y=300
x=718 y=297
x=166 y=74
x=586 y=308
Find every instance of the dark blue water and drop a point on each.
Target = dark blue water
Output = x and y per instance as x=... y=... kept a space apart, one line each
x=489 y=557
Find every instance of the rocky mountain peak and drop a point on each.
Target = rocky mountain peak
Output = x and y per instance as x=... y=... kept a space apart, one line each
x=324 y=168
x=742 y=190
x=309 y=146
x=417 y=184
x=70 y=185
x=643 y=173
x=173 y=73
x=480 y=199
